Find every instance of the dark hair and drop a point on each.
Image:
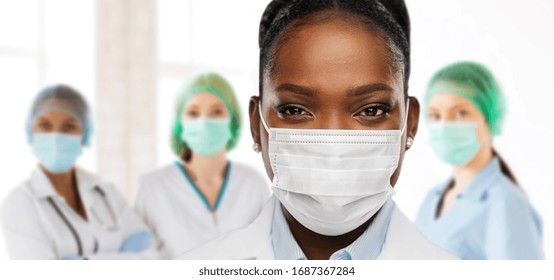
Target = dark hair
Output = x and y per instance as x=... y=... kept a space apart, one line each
x=389 y=16
x=506 y=170
x=186 y=154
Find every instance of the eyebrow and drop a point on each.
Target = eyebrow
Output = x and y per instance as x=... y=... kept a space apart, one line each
x=217 y=105
x=371 y=88
x=361 y=90
x=295 y=89
x=73 y=119
x=68 y=119
x=460 y=106
x=72 y=122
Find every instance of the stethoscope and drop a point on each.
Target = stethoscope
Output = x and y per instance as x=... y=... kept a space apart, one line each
x=72 y=228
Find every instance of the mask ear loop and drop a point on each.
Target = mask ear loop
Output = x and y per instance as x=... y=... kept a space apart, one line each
x=391 y=189
x=262 y=117
x=405 y=118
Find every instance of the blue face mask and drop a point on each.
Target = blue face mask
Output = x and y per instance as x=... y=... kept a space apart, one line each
x=206 y=137
x=57 y=152
x=454 y=142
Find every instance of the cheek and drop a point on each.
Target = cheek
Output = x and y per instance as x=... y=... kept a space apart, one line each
x=483 y=132
x=37 y=129
x=225 y=113
x=76 y=132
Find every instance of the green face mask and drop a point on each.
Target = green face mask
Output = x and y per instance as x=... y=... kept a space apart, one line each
x=454 y=142
x=206 y=137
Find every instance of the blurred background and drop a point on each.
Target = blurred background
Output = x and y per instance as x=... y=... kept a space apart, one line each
x=130 y=57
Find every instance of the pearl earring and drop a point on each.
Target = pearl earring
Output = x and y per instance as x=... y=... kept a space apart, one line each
x=409 y=142
x=256 y=147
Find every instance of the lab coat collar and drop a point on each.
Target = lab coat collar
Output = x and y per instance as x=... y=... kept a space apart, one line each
x=88 y=181
x=249 y=243
x=41 y=185
x=477 y=189
x=263 y=221
x=43 y=188
x=405 y=242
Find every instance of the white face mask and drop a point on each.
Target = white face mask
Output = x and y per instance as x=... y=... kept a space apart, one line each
x=333 y=181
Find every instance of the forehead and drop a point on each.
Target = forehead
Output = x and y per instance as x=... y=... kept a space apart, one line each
x=334 y=51
x=57 y=116
x=204 y=99
x=448 y=101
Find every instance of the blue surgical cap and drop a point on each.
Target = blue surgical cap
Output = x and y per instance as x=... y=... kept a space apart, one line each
x=61 y=98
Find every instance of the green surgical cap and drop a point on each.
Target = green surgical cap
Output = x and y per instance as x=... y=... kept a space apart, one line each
x=476 y=84
x=217 y=86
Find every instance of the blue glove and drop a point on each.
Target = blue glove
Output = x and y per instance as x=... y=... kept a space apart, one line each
x=136 y=242
x=74 y=258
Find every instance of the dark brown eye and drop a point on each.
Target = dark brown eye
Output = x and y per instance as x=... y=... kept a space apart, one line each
x=291 y=110
x=70 y=127
x=217 y=112
x=192 y=114
x=461 y=114
x=374 y=111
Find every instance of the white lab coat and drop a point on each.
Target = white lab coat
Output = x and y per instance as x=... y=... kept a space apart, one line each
x=402 y=242
x=34 y=229
x=181 y=220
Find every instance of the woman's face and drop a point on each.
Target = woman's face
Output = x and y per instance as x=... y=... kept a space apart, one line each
x=453 y=108
x=205 y=105
x=57 y=122
x=333 y=75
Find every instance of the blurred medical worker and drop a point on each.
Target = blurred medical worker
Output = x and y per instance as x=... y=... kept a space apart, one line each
x=332 y=121
x=61 y=211
x=202 y=195
x=481 y=212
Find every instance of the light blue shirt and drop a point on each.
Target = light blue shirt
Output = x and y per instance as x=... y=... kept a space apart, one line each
x=367 y=247
x=491 y=219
